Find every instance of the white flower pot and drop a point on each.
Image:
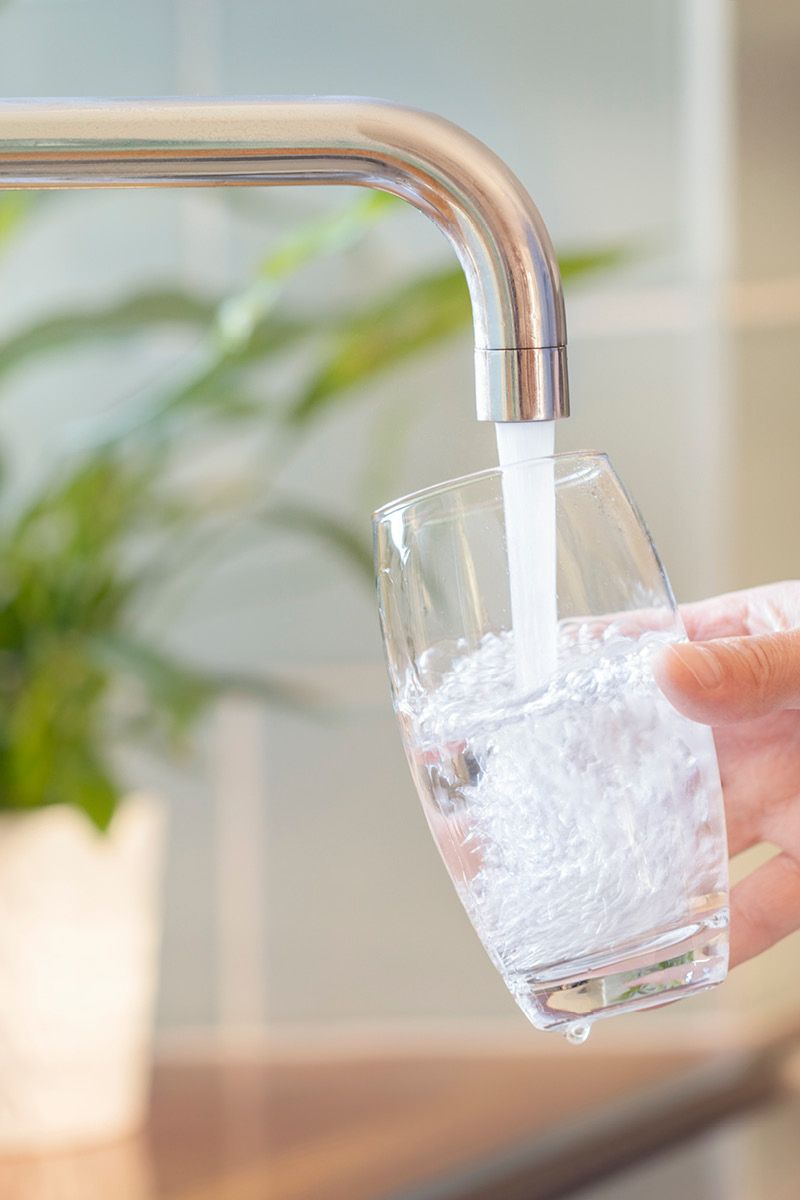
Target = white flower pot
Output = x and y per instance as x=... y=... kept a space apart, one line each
x=79 y=937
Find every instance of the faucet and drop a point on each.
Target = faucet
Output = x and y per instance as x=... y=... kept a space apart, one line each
x=465 y=189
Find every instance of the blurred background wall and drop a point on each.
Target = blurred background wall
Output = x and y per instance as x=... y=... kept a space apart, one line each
x=302 y=883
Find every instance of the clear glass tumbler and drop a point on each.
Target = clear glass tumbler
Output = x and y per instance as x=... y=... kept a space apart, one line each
x=579 y=815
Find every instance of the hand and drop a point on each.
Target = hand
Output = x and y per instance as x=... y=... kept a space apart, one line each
x=747 y=685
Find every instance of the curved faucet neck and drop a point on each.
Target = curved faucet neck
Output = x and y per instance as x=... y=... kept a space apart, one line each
x=477 y=202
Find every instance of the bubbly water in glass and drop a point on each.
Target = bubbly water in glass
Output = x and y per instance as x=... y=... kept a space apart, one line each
x=581 y=820
x=579 y=815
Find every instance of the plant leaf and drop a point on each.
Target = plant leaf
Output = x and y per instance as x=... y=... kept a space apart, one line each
x=239 y=330
x=240 y=315
x=15 y=207
x=580 y=263
x=94 y=792
x=417 y=315
x=297 y=516
x=180 y=692
x=138 y=313
x=331 y=234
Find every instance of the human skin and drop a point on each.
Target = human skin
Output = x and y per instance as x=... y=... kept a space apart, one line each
x=741 y=675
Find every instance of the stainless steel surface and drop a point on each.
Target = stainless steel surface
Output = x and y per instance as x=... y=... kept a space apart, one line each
x=489 y=218
x=536 y=380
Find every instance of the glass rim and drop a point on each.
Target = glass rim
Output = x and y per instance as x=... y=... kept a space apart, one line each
x=460 y=481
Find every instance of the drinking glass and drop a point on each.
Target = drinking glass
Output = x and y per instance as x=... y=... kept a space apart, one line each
x=578 y=813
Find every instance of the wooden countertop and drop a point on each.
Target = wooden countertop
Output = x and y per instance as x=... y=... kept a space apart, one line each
x=480 y=1121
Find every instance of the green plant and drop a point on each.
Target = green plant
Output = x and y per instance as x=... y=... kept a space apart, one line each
x=83 y=557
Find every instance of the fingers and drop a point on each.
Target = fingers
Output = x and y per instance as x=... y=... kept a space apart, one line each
x=742 y=675
x=741 y=829
x=734 y=679
x=759 y=765
x=765 y=907
x=770 y=609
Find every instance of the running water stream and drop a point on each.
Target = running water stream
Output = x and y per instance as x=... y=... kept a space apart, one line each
x=530 y=513
x=530 y=519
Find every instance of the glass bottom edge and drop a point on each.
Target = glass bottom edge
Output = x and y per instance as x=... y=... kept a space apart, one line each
x=658 y=970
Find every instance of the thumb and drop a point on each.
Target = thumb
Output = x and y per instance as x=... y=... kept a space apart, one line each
x=732 y=679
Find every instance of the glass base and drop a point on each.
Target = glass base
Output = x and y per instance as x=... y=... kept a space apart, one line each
x=663 y=968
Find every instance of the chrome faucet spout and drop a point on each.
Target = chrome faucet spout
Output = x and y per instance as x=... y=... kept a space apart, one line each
x=477 y=202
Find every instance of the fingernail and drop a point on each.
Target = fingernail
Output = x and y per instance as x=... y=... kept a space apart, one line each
x=702 y=663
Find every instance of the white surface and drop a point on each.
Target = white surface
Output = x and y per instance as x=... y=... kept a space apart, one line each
x=79 y=933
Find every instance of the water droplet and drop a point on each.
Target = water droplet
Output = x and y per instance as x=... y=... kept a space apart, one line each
x=577 y=1033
